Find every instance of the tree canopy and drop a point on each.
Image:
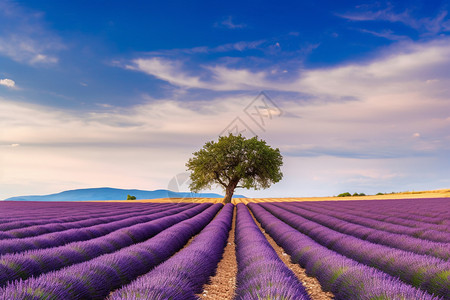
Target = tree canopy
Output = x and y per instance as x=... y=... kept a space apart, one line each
x=235 y=162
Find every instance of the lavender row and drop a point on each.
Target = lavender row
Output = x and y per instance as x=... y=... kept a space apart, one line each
x=61 y=220
x=12 y=211
x=35 y=262
x=433 y=208
x=97 y=278
x=399 y=241
x=417 y=228
x=425 y=207
x=425 y=272
x=409 y=209
x=22 y=209
x=83 y=234
x=261 y=273
x=182 y=276
x=58 y=226
x=346 y=278
x=380 y=216
x=411 y=227
x=77 y=212
x=18 y=227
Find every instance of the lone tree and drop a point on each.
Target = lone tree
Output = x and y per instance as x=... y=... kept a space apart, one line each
x=235 y=162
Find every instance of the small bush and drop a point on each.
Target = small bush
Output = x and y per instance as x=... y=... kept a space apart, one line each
x=131 y=197
x=346 y=194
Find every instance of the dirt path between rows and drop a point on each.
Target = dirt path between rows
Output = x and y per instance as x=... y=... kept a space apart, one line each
x=223 y=284
x=311 y=284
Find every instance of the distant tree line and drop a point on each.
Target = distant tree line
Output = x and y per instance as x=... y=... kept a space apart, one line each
x=347 y=194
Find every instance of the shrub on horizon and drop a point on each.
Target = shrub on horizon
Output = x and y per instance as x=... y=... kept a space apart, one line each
x=346 y=194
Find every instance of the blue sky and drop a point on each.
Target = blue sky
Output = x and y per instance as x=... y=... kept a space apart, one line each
x=107 y=93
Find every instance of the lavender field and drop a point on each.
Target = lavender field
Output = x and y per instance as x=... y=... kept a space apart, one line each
x=385 y=249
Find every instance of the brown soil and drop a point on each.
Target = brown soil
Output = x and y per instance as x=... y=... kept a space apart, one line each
x=311 y=284
x=223 y=284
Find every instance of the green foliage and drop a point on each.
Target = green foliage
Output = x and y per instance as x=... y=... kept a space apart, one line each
x=380 y=193
x=131 y=197
x=234 y=161
x=346 y=194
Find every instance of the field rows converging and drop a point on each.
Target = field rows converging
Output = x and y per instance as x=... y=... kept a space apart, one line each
x=389 y=249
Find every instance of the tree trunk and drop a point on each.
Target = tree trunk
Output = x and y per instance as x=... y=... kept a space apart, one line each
x=229 y=192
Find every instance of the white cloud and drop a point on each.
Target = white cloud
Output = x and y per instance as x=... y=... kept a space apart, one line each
x=237 y=46
x=61 y=150
x=427 y=26
x=167 y=70
x=406 y=67
x=224 y=78
x=393 y=70
x=386 y=14
x=216 y=78
x=348 y=143
x=24 y=38
x=10 y=145
x=368 y=143
x=387 y=34
x=229 y=23
x=41 y=58
x=8 y=82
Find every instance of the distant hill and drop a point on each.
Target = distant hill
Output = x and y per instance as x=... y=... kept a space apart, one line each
x=113 y=194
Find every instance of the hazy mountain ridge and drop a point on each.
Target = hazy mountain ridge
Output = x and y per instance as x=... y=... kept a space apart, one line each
x=112 y=194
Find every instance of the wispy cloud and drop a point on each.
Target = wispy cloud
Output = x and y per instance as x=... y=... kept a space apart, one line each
x=387 y=34
x=394 y=71
x=386 y=14
x=8 y=83
x=354 y=119
x=230 y=23
x=167 y=70
x=237 y=46
x=24 y=37
x=225 y=78
x=214 y=78
x=399 y=64
x=426 y=26
x=397 y=89
x=399 y=110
